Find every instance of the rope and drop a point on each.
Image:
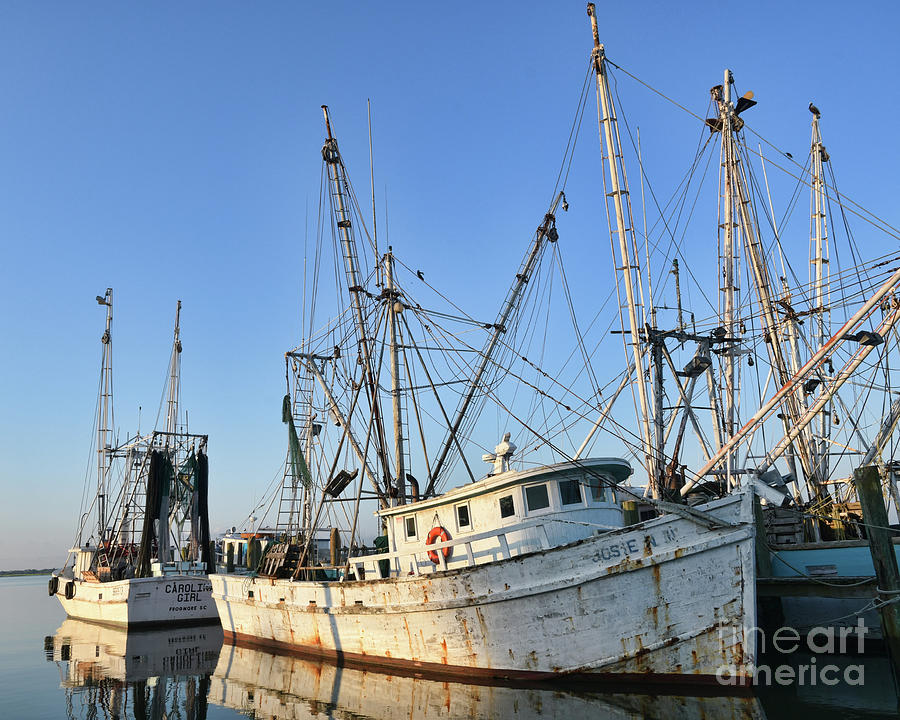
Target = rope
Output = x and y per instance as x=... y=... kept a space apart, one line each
x=653 y=89
x=864 y=609
x=587 y=524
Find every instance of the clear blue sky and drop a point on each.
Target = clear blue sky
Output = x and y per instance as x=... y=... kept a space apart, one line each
x=170 y=150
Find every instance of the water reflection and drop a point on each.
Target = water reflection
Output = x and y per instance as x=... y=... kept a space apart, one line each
x=874 y=697
x=115 y=673
x=279 y=687
x=187 y=674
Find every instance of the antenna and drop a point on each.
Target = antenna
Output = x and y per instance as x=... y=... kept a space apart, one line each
x=372 y=185
x=387 y=232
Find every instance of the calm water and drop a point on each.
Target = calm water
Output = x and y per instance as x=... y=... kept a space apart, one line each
x=51 y=667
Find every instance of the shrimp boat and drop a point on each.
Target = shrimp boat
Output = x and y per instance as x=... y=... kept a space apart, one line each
x=145 y=559
x=544 y=595
x=551 y=565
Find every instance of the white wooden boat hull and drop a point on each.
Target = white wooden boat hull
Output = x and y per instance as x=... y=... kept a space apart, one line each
x=667 y=599
x=165 y=600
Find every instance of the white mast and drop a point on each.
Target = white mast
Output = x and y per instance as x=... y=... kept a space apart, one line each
x=167 y=503
x=729 y=270
x=336 y=175
x=627 y=259
x=737 y=197
x=819 y=262
x=174 y=378
x=104 y=417
x=394 y=307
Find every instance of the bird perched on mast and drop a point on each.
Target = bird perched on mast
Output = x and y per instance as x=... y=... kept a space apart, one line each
x=815 y=111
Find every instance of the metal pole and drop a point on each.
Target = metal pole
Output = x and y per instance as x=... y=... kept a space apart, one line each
x=730 y=259
x=820 y=261
x=605 y=412
x=685 y=396
x=174 y=377
x=333 y=160
x=103 y=416
x=393 y=302
x=758 y=265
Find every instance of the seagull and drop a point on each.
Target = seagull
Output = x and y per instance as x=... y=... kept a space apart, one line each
x=420 y=274
x=815 y=111
x=789 y=155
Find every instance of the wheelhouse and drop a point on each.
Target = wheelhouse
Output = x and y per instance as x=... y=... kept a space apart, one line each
x=550 y=505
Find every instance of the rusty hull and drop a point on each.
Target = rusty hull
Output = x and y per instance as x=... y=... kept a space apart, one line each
x=667 y=600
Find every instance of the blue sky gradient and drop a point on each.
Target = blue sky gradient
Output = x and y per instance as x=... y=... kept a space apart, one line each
x=171 y=151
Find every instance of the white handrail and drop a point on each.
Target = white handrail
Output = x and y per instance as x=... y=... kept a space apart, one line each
x=361 y=561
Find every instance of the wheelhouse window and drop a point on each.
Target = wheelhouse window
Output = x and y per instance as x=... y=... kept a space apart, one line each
x=570 y=492
x=601 y=487
x=410 y=523
x=463 y=522
x=507 y=509
x=537 y=497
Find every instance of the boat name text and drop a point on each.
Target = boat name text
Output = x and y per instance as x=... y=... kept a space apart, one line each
x=188 y=592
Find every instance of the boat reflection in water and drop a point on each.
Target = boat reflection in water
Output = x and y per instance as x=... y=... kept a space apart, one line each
x=260 y=684
x=111 y=672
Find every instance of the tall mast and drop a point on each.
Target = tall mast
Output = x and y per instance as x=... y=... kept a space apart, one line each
x=629 y=266
x=819 y=262
x=792 y=334
x=104 y=416
x=394 y=307
x=737 y=197
x=729 y=270
x=336 y=175
x=174 y=379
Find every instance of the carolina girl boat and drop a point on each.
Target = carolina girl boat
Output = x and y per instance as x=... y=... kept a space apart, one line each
x=145 y=559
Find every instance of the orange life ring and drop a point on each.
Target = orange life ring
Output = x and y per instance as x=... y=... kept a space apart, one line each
x=437 y=532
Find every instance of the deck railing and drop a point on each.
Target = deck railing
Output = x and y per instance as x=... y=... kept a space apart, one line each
x=409 y=560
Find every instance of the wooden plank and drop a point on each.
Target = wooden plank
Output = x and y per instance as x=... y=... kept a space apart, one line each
x=868 y=486
x=837 y=587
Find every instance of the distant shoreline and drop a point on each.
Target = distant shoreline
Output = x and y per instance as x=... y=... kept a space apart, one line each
x=29 y=571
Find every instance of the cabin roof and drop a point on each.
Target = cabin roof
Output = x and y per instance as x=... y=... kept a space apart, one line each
x=619 y=468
